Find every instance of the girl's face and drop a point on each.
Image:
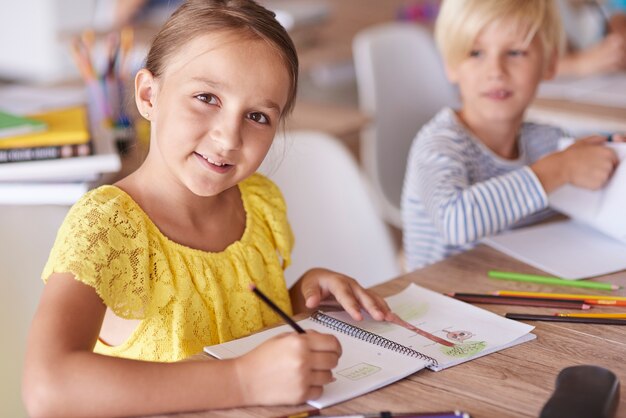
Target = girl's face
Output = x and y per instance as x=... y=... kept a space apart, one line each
x=214 y=111
x=499 y=77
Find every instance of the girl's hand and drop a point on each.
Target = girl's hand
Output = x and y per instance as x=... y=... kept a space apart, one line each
x=319 y=284
x=288 y=369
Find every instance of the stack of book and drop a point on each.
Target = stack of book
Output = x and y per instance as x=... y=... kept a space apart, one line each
x=52 y=157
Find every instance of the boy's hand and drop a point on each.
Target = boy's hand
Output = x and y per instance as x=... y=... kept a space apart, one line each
x=587 y=164
x=288 y=369
x=319 y=284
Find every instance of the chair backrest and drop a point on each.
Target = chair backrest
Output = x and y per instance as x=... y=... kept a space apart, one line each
x=401 y=84
x=330 y=210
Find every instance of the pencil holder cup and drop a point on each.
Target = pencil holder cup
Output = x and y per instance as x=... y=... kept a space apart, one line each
x=106 y=100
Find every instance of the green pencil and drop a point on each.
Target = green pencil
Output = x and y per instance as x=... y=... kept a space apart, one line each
x=533 y=278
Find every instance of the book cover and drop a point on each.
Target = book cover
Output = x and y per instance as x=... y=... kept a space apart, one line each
x=64 y=126
x=433 y=331
x=13 y=125
x=104 y=159
x=12 y=155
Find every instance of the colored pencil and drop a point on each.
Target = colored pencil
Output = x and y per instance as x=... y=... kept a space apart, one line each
x=521 y=301
x=569 y=296
x=603 y=302
x=276 y=309
x=533 y=278
x=552 y=318
x=620 y=315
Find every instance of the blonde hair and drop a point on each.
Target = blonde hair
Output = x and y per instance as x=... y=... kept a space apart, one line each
x=460 y=21
x=245 y=17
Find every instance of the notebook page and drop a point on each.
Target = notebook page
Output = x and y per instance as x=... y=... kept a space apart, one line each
x=363 y=367
x=565 y=249
x=451 y=331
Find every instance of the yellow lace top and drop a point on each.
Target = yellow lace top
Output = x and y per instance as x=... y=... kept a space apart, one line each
x=185 y=298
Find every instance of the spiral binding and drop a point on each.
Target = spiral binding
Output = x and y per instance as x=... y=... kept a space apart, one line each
x=369 y=337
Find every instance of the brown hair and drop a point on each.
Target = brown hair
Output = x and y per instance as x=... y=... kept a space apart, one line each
x=198 y=17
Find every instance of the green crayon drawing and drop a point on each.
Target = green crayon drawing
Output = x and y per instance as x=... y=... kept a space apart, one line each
x=359 y=371
x=465 y=349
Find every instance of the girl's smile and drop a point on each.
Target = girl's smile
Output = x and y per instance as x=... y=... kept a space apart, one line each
x=216 y=164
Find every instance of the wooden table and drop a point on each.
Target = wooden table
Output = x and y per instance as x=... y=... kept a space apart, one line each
x=577 y=116
x=511 y=383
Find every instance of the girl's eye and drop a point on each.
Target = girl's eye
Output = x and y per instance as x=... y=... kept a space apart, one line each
x=207 y=98
x=475 y=53
x=259 y=118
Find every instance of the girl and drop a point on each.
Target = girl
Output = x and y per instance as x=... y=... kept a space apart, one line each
x=153 y=268
x=479 y=170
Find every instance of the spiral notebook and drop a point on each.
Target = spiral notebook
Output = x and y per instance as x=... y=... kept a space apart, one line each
x=438 y=332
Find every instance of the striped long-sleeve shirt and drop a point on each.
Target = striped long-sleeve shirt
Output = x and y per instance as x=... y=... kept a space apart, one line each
x=457 y=191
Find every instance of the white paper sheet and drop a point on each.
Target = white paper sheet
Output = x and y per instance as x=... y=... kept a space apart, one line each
x=604 y=209
x=566 y=249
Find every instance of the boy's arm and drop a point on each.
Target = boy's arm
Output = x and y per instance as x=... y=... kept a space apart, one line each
x=63 y=377
x=463 y=212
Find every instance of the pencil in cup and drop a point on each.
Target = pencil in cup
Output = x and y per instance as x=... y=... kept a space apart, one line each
x=519 y=301
x=533 y=278
x=276 y=309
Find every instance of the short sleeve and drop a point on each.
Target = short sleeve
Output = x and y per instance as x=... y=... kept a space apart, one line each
x=268 y=206
x=103 y=242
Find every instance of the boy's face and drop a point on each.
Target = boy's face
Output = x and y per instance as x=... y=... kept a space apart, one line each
x=498 y=79
x=215 y=111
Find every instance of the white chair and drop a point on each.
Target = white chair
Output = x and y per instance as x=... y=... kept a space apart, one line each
x=401 y=85
x=333 y=217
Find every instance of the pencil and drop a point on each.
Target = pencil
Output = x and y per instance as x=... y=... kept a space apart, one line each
x=533 y=278
x=620 y=315
x=569 y=296
x=521 y=301
x=303 y=414
x=604 y=302
x=552 y=318
x=276 y=309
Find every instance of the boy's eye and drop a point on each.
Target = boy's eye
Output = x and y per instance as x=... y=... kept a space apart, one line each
x=207 y=98
x=517 y=53
x=259 y=118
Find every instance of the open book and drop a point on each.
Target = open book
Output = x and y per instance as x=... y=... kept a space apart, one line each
x=438 y=332
x=597 y=220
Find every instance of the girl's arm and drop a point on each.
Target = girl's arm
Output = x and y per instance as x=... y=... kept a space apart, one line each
x=607 y=56
x=63 y=377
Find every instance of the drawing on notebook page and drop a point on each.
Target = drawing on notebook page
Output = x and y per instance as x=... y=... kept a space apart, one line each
x=415 y=316
x=378 y=353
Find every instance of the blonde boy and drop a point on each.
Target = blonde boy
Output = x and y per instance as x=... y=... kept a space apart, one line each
x=480 y=169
